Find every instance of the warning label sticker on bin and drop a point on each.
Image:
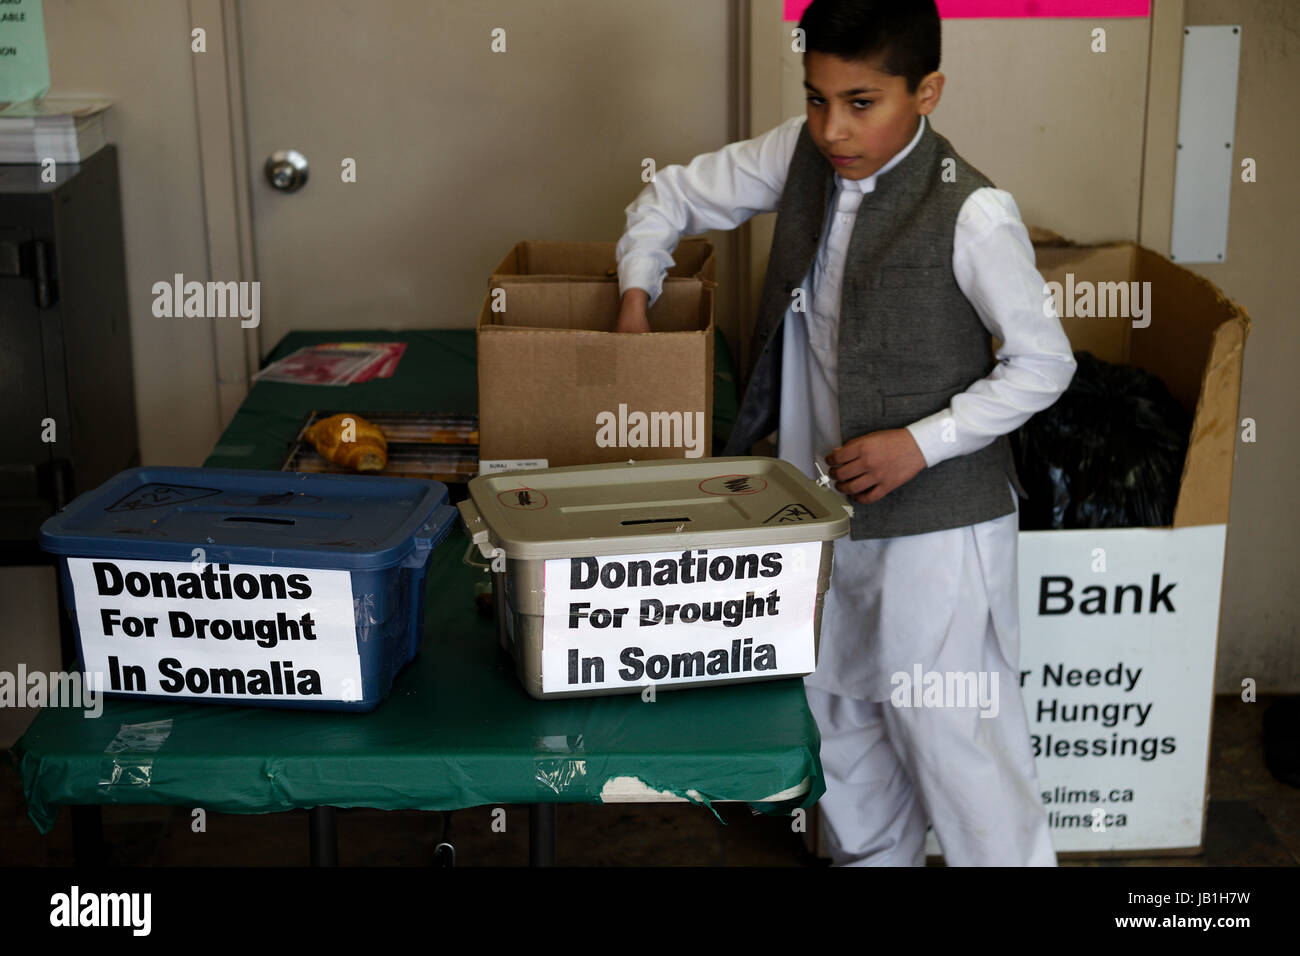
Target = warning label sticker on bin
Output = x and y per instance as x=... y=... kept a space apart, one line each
x=252 y=632
x=630 y=620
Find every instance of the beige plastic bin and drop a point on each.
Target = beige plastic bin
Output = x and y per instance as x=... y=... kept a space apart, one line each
x=671 y=573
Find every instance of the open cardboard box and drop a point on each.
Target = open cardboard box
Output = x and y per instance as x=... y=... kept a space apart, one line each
x=693 y=259
x=1195 y=343
x=556 y=385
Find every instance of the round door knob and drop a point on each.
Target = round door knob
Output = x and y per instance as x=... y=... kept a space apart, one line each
x=286 y=170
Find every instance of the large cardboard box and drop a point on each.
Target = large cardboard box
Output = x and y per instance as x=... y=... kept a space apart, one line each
x=1191 y=336
x=692 y=259
x=555 y=385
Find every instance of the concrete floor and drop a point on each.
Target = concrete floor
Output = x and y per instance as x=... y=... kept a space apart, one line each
x=1252 y=821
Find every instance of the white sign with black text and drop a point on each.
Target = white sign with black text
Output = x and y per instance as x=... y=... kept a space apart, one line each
x=679 y=617
x=167 y=628
x=1118 y=629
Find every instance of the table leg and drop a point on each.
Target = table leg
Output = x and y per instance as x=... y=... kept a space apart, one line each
x=88 y=848
x=88 y=836
x=541 y=834
x=323 y=825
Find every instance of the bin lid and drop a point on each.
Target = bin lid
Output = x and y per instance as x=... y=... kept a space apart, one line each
x=252 y=517
x=646 y=506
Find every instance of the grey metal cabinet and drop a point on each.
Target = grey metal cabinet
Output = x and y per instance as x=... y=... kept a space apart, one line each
x=65 y=343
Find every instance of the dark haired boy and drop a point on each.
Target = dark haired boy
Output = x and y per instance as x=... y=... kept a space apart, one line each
x=893 y=263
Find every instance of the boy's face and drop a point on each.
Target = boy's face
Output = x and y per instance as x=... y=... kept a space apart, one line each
x=860 y=116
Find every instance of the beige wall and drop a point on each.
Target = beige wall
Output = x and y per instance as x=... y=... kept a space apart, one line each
x=1058 y=126
x=137 y=54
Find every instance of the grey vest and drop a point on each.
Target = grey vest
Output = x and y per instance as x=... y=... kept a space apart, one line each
x=909 y=340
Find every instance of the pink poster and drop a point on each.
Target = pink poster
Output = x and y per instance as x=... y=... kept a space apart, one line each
x=955 y=9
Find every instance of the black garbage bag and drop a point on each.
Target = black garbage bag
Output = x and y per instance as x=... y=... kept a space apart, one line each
x=1108 y=454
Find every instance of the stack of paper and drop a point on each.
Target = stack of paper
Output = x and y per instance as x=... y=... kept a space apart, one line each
x=64 y=130
x=335 y=363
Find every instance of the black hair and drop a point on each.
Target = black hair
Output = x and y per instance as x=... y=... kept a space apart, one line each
x=902 y=34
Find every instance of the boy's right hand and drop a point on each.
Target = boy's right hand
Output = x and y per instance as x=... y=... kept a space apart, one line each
x=631 y=314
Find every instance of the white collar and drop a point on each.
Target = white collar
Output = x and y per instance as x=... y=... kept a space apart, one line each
x=868 y=184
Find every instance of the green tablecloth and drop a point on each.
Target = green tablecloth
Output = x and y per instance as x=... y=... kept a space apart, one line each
x=457 y=729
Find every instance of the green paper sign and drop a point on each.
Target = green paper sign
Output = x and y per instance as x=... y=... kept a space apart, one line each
x=24 y=61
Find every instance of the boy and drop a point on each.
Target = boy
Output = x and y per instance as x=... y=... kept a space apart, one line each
x=893 y=262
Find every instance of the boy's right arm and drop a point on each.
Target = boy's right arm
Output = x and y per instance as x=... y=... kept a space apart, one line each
x=717 y=190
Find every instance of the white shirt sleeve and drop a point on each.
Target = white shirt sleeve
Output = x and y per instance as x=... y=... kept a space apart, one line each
x=993 y=263
x=717 y=190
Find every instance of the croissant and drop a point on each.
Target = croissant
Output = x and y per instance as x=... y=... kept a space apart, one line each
x=365 y=449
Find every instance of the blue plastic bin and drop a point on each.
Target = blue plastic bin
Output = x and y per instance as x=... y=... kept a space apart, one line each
x=222 y=534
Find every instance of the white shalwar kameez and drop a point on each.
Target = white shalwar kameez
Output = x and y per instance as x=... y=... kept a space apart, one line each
x=944 y=600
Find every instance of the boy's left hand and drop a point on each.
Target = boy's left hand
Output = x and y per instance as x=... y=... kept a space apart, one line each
x=871 y=466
